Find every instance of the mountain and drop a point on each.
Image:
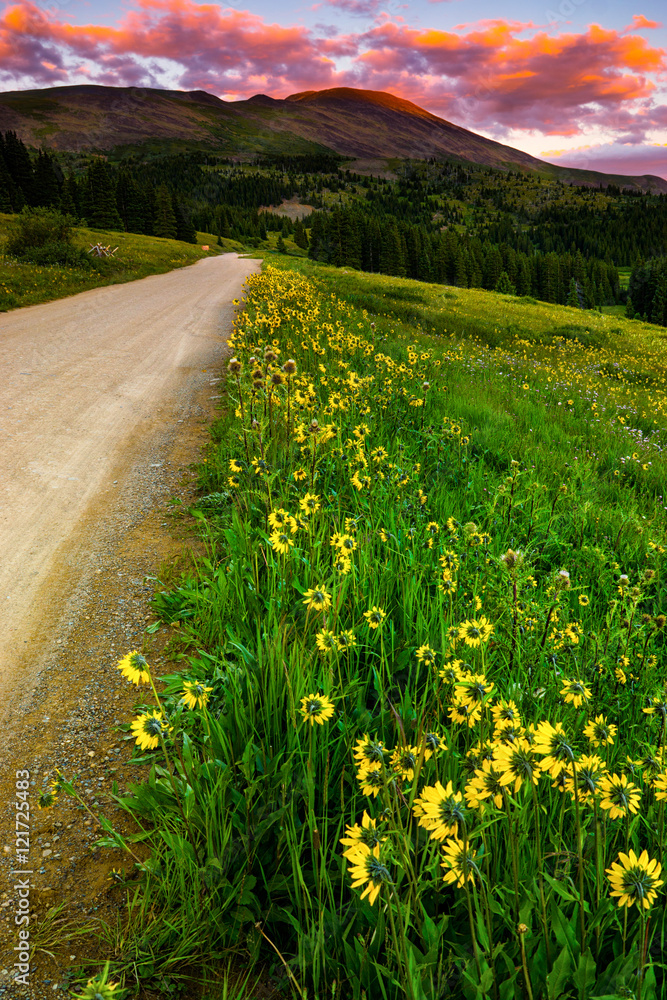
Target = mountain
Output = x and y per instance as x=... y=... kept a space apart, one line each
x=361 y=124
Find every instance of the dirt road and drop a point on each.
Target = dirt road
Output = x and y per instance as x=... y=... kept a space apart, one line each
x=86 y=385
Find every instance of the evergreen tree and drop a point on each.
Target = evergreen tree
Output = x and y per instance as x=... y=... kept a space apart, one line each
x=280 y=245
x=69 y=197
x=573 y=294
x=46 y=181
x=165 y=219
x=659 y=300
x=629 y=309
x=185 y=231
x=6 y=183
x=133 y=205
x=504 y=285
x=300 y=235
x=99 y=197
x=20 y=168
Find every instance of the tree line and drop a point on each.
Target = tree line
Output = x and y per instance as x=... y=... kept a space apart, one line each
x=348 y=236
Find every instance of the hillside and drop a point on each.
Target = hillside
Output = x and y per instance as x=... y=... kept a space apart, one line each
x=354 y=123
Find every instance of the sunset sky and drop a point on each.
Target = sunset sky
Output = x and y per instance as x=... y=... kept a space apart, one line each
x=582 y=82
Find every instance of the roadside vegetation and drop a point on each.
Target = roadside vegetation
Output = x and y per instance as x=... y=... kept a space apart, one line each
x=34 y=269
x=413 y=740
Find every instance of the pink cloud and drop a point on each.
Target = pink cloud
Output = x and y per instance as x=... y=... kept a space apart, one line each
x=613 y=158
x=639 y=21
x=493 y=75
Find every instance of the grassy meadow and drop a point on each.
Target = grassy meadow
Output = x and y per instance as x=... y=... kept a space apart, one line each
x=23 y=284
x=413 y=741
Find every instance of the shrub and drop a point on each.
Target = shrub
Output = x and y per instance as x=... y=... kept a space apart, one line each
x=44 y=236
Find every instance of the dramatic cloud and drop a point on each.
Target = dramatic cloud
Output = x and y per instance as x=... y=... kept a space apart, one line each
x=614 y=158
x=494 y=76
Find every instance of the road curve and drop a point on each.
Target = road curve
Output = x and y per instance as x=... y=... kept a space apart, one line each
x=81 y=381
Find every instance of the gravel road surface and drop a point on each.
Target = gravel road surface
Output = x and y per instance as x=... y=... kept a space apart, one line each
x=85 y=383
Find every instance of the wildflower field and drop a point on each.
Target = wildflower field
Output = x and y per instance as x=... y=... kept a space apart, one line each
x=414 y=740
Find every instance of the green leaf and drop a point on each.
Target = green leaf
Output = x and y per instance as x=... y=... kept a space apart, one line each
x=558 y=977
x=558 y=887
x=584 y=976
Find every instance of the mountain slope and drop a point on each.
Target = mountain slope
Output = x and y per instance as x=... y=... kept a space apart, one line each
x=354 y=123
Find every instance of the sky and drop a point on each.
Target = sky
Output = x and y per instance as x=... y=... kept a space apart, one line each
x=576 y=82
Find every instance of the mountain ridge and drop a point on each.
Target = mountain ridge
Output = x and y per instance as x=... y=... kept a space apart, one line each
x=355 y=123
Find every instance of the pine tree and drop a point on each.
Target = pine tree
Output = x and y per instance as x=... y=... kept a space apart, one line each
x=69 y=197
x=185 y=231
x=629 y=309
x=659 y=300
x=20 y=168
x=573 y=294
x=300 y=235
x=99 y=197
x=280 y=245
x=165 y=219
x=504 y=285
x=46 y=182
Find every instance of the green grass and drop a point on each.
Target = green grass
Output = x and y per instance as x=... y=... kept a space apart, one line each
x=492 y=508
x=137 y=256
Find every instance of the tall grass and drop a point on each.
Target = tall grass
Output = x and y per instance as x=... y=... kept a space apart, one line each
x=420 y=705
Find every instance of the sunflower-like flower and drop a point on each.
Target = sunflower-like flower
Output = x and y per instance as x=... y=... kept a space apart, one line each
x=346 y=641
x=575 y=692
x=447 y=584
x=310 y=503
x=660 y=786
x=279 y=519
x=468 y=714
x=440 y=810
x=148 y=728
x=486 y=784
x=552 y=742
x=635 y=879
x=134 y=667
x=317 y=599
x=326 y=641
x=316 y=708
x=505 y=711
x=518 y=764
x=364 y=835
x=657 y=707
x=366 y=868
x=404 y=760
x=195 y=695
x=372 y=781
x=281 y=542
x=426 y=655
x=619 y=796
x=435 y=744
x=459 y=862
x=347 y=544
x=474 y=632
x=508 y=733
x=375 y=617
x=451 y=673
x=473 y=689
x=600 y=732
x=586 y=775
x=369 y=754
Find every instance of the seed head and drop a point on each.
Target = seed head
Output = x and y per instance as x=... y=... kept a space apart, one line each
x=289 y=367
